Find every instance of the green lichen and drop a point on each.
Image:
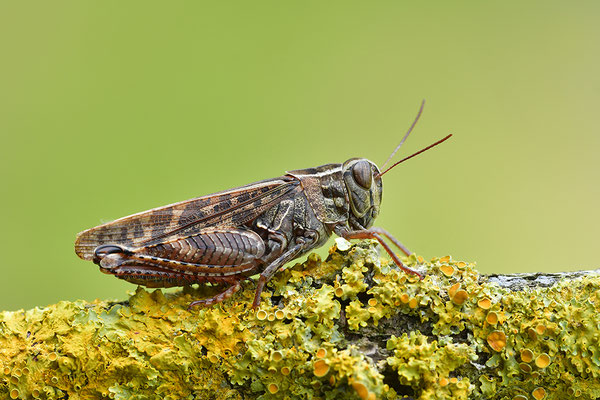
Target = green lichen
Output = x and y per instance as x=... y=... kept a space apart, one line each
x=470 y=339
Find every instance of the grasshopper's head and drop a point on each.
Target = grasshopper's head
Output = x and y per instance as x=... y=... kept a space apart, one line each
x=363 y=182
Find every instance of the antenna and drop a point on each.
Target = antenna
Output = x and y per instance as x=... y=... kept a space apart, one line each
x=405 y=135
x=412 y=155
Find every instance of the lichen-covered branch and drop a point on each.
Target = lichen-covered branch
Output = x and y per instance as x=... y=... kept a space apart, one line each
x=353 y=326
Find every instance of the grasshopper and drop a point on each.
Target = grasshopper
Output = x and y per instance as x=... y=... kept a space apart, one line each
x=226 y=237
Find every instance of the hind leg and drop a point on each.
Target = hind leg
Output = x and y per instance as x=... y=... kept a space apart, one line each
x=224 y=295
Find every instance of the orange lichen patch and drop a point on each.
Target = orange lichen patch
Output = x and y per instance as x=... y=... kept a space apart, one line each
x=35 y=393
x=461 y=264
x=405 y=298
x=460 y=297
x=279 y=314
x=413 y=303
x=6 y=371
x=321 y=353
x=526 y=355
x=520 y=397
x=445 y=259
x=321 y=368
x=444 y=382
x=261 y=315
x=271 y=317
x=540 y=329
x=448 y=270
x=14 y=394
x=420 y=259
x=52 y=356
x=492 y=318
x=539 y=393
x=497 y=340
x=361 y=390
x=372 y=310
x=372 y=396
x=531 y=333
x=542 y=361
x=453 y=380
x=285 y=371
x=453 y=289
x=525 y=367
x=372 y=302
x=484 y=303
x=339 y=292
x=273 y=388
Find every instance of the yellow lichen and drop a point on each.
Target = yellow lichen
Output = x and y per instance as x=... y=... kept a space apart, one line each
x=320 y=368
x=361 y=390
x=261 y=315
x=453 y=289
x=448 y=270
x=298 y=338
x=525 y=367
x=526 y=355
x=460 y=297
x=540 y=329
x=484 y=303
x=273 y=388
x=539 y=393
x=277 y=356
x=413 y=303
x=542 y=361
x=497 y=340
x=492 y=318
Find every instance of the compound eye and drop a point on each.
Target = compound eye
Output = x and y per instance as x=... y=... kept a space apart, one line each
x=361 y=171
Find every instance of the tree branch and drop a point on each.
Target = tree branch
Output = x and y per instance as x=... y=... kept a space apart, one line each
x=353 y=326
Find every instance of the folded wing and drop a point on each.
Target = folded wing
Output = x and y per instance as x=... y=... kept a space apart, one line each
x=231 y=208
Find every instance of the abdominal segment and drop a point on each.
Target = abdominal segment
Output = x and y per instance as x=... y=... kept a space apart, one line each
x=218 y=256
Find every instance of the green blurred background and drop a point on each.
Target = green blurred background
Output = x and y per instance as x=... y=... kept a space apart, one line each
x=110 y=108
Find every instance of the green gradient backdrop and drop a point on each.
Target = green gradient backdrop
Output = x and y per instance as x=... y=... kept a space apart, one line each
x=110 y=108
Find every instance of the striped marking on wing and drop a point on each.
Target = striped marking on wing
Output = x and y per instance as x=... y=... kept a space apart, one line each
x=229 y=208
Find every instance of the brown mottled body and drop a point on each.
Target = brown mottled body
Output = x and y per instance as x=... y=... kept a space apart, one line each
x=228 y=236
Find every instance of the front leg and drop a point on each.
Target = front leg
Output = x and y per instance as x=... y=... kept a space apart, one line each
x=378 y=233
